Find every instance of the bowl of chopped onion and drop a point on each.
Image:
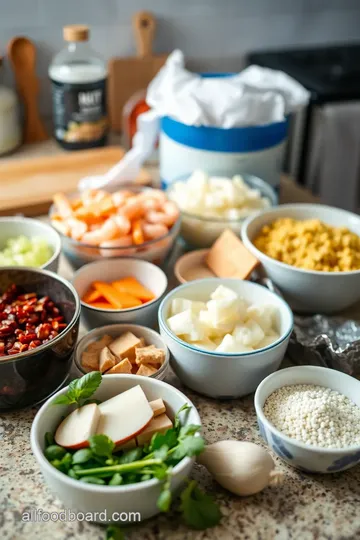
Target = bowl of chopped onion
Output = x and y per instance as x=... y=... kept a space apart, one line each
x=211 y=203
x=28 y=242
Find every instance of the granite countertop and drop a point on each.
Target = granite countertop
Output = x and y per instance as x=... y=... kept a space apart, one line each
x=304 y=507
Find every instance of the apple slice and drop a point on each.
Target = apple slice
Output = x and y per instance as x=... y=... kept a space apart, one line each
x=125 y=416
x=75 y=430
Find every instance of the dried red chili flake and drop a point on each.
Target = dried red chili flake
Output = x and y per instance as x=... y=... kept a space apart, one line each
x=26 y=321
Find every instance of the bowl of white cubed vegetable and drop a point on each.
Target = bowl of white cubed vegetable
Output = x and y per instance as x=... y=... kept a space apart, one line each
x=211 y=203
x=225 y=335
x=310 y=417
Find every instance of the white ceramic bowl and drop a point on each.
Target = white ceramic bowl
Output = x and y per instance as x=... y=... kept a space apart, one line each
x=296 y=453
x=84 y=497
x=111 y=269
x=115 y=330
x=224 y=375
x=11 y=227
x=307 y=290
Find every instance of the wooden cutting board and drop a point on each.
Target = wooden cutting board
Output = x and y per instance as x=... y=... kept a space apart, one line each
x=27 y=185
x=129 y=75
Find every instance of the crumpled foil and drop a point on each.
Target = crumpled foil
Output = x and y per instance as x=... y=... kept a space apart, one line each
x=332 y=342
x=319 y=340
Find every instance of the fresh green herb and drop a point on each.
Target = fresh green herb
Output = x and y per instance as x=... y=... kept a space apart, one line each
x=101 y=446
x=114 y=533
x=177 y=422
x=88 y=401
x=131 y=455
x=93 y=480
x=164 y=500
x=63 y=464
x=80 y=389
x=116 y=480
x=188 y=446
x=82 y=456
x=49 y=439
x=169 y=438
x=54 y=452
x=198 y=509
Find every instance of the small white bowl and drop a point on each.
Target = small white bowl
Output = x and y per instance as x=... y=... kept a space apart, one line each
x=84 y=497
x=307 y=290
x=148 y=274
x=224 y=375
x=302 y=456
x=11 y=227
x=115 y=330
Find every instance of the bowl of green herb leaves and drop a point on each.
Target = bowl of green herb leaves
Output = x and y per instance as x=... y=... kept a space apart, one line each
x=111 y=484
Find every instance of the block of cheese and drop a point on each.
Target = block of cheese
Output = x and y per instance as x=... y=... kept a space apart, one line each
x=124 y=346
x=149 y=355
x=158 y=406
x=229 y=258
x=160 y=424
x=124 y=366
x=107 y=360
x=146 y=370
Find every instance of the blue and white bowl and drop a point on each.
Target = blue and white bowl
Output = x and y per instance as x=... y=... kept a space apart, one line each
x=310 y=459
x=224 y=375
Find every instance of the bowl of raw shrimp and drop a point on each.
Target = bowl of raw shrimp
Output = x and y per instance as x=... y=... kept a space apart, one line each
x=133 y=221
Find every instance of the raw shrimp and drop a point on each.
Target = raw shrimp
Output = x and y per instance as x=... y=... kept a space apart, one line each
x=106 y=232
x=154 y=230
x=123 y=224
x=77 y=228
x=156 y=194
x=133 y=208
x=167 y=217
x=119 y=197
x=63 y=206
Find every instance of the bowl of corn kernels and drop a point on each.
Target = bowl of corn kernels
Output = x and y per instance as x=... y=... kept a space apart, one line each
x=311 y=252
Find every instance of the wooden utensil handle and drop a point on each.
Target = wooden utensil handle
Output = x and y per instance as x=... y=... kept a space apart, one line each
x=144 y=25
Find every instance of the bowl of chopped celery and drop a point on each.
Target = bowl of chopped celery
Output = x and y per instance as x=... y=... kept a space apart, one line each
x=28 y=242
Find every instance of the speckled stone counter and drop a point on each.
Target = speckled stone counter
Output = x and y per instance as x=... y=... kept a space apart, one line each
x=304 y=507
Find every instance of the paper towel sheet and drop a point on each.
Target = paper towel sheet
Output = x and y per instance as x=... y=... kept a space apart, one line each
x=256 y=96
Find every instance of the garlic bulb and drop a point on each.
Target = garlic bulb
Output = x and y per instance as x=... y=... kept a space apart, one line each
x=243 y=468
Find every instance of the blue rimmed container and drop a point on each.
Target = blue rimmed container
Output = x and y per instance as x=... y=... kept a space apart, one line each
x=225 y=375
x=257 y=150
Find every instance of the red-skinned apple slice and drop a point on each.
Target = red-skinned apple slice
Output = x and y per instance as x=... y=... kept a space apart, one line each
x=75 y=430
x=125 y=416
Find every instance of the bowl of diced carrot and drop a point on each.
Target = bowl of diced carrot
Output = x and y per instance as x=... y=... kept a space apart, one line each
x=123 y=290
x=133 y=221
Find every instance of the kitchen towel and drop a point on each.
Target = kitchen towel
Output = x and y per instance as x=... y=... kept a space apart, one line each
x=336 y=166
x=255 y=96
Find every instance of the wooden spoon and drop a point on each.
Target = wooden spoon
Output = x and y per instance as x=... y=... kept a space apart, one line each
x=22 y=55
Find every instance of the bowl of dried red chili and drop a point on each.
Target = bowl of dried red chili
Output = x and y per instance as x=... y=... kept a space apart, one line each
x=39 y=323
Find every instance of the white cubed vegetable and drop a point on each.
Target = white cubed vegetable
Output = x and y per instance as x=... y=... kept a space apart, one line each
x=181 y=323
x=205 y=344
x=248 y=334
x=230 y=345
x=264 y=315
x=224 y=293
x=178 y=305
x=267 y=340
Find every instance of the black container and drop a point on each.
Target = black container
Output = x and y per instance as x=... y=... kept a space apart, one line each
x=29 y=378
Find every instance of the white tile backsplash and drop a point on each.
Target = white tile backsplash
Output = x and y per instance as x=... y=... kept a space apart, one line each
x=215 y=35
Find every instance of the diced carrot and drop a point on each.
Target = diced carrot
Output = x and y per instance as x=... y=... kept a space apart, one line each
x=127 y=300
x=101 y=305
x=137 y=232
x=92 y=296
x=132 y=286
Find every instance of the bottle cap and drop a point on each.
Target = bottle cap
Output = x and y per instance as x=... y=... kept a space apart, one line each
x=76 y=32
